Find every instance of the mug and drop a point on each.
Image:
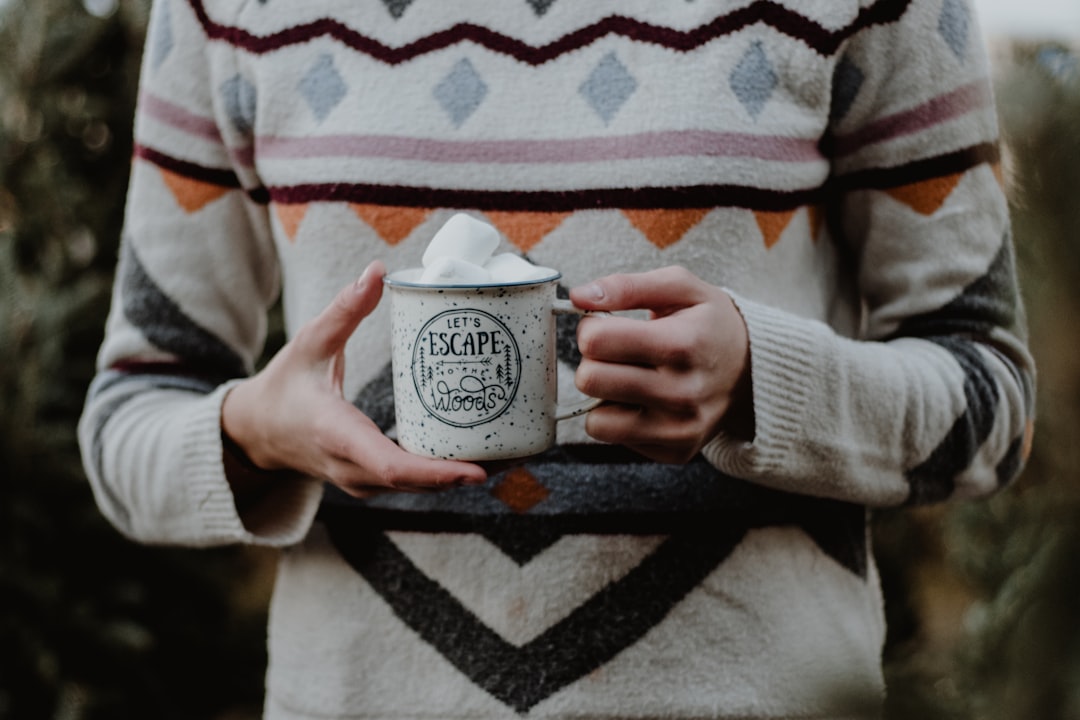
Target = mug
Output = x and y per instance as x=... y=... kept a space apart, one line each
x=475 y=369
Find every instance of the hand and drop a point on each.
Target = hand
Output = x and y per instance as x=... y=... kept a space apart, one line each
x=292 y=414
x=671 y=382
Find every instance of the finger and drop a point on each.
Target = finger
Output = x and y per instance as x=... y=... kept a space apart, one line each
x=636 y=425
x=331 y=329
x=632 y=385
x=378 y=461
x=654 y=343
x=658 y=290
x=664 y=453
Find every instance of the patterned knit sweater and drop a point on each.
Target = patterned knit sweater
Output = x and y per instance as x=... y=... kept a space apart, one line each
x=832 y=164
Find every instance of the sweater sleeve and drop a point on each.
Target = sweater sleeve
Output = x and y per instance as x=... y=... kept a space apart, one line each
x=197 y=272
x=934 y=397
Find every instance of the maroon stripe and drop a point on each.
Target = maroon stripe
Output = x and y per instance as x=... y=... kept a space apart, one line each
x=214 y=176
x=668 y=198
x=925 y=169
x=786 y=21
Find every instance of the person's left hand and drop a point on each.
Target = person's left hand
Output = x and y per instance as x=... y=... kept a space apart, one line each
x=673 y=381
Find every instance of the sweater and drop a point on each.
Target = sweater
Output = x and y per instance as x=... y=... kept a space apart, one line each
x=834 y=166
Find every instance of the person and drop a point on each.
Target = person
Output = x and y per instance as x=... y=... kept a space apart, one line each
x=800 y=203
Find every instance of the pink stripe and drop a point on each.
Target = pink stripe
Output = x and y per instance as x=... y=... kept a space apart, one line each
x=933 y=112
x=179 y=118
x=646 y=145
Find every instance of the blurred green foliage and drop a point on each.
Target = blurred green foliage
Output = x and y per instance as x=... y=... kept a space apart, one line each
x=91 y=626
x=980 y=595
x=1006 y=569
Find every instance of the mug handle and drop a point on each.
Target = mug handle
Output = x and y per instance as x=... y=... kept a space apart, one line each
x=565 y=412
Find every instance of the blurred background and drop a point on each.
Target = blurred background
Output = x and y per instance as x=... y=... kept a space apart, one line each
x=982 y=597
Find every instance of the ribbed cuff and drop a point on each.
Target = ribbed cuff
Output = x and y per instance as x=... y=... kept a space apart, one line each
x=783 y=349
x=282 y=516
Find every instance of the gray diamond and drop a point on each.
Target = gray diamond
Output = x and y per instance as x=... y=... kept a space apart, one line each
x=753 y=79
x=954 y=25
x=608 y=87
x=323 y=87
x=540 y=6
x=239 y=95
x=161 y=37
x=847 y=81
x=397 y=7
x=460 y=92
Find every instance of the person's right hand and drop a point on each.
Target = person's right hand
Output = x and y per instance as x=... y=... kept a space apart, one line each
x=292 y=414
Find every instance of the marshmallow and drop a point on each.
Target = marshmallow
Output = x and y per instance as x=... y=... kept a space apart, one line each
x=463 y=238
x=452 y=271
x=510 y=268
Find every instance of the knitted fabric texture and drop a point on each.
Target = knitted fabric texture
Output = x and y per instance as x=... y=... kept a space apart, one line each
x=833 y=166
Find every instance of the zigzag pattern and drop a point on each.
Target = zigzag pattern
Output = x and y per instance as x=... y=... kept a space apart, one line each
x=764 y=12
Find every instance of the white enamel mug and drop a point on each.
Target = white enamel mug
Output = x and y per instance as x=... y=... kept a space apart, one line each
x=475 y=369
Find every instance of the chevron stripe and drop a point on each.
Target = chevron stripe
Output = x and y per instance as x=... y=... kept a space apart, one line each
x=646 y=198
x=222 y=177
x=594 y=633
x=918 y=170
x=167 y=327
x=763 y=12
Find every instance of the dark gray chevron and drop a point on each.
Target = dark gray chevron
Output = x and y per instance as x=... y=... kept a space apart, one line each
x=935 y=478
x=605 y=490
x=167 y=327
x=609 y=622
x=376 y=399
x=992 y=301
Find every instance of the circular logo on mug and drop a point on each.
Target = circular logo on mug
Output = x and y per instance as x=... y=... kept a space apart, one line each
x=466 y=367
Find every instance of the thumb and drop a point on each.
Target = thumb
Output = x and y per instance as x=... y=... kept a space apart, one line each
x=662 y=291
x=328 y=332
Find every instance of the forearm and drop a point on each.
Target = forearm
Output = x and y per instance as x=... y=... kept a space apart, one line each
x=153 y=452
x=875 y=422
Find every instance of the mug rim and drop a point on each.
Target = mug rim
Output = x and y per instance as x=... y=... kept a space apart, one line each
x=393 y=280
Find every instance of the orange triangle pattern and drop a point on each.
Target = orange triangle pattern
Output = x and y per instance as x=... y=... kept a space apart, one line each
x=290 y=217
x=526 y=229
x=664 y=228
x=927 y=196
x=192 y=195
x=393 y=224
x=772 y=225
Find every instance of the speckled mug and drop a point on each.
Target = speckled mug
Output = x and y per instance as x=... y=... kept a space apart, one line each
x=475 y=367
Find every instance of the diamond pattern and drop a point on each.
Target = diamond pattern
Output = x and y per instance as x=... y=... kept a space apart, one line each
x=520 y=490
x=322 y=87
x=540 y=6
x=955 y=26
x=240 y=97
x=753 y=79
x=461 y=92
x=608 y=87
x=847 y=81
x=397 y=7
x=161 y=37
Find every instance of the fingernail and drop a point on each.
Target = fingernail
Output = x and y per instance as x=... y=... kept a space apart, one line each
x=592 y=292
x=362 y=280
